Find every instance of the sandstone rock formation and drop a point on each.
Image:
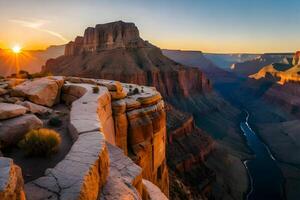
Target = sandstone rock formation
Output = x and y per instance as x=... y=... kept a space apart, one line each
x=35 y=109
x=138 y=123
x=81 y=175
x=11 y=180
x=188 y=148
x=252 y=66
x=116 y=51
x=296 y=57
x=8 y=110
x=13 y=130
x=43 y=91
x=127 y=58
x=152 y=191
x=95 y=167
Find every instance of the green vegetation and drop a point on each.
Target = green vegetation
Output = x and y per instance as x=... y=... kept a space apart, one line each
x=95 y=89
x=40 y=142
x=55 y=121
x=136 y=91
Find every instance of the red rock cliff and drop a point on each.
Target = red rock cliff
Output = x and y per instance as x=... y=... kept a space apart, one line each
x=116 y=51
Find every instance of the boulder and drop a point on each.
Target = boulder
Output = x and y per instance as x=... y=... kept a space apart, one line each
x=71 y=93
x=13 y=130
x=152 y=192
x=3 y=91
x=149 y=100
x=116 y=189
x=11 y=180
x=8 y=110
x=43 y=91
x=9 y=99
x=35 y=109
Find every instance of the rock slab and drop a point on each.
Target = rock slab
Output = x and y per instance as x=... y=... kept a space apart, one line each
x=44 y=91
x=8 y=110
x=13 y=130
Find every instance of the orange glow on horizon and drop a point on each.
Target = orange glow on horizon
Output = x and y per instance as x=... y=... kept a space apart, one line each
x=16 y=58
x=16 y=49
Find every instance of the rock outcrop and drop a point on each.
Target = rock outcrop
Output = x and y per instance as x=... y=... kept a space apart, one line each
x=8 y=110
x=11 y=180
x=34 y=108
x=296 y=58
x=43 y=91
x=116 y=51
x=119 y=135
x=252 y=66
x=13 y=130
x=188 y=148
x=136 y=119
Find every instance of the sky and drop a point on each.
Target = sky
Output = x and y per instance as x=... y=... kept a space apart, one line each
x=215 y=26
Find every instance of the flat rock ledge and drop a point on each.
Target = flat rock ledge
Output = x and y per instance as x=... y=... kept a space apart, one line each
x=9 y=110
x=81 y=175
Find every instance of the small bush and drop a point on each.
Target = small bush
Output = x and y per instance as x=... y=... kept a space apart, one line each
x=55 y=122
x=136 y=91
x=95 y=89
x=40 y=142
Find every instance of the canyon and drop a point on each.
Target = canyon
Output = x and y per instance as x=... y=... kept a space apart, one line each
x=186 y=141
x=273 y=110
x=116 y=51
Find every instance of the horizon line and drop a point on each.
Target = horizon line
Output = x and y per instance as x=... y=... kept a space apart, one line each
x=187 y=50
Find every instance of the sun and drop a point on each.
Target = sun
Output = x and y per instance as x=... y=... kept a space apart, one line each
x=16 y=49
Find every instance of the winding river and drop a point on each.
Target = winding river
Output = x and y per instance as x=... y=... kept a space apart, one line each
x=266 y=178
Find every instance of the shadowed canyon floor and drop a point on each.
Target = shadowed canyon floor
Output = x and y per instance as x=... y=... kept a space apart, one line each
x=274 y=113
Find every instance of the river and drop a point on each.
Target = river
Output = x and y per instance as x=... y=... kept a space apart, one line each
x=265 y=175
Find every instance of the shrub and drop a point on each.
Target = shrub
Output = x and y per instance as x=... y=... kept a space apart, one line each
x=55 y=121
x=40 y=142
x=95 y=89
x=136 y=91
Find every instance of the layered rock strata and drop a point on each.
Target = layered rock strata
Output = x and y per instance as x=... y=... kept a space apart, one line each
x=11 y=181
x=95 y=167
x=188 y=148
x=116 y=51
x=139 y=126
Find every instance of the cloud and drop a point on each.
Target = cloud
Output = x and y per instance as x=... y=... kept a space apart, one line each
x=38 y=25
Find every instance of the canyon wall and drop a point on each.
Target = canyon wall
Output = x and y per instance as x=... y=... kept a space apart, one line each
x=136 y=123
x=116 y=51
